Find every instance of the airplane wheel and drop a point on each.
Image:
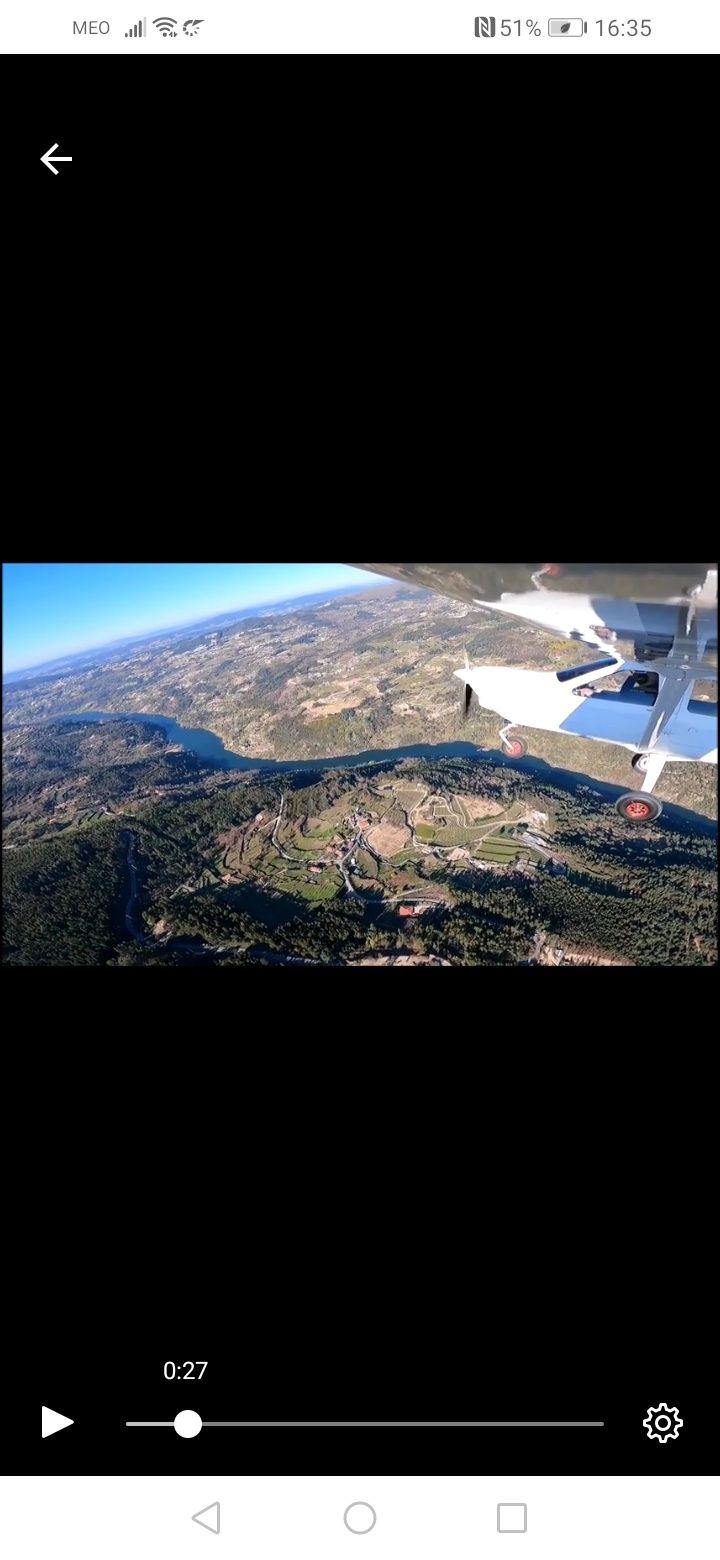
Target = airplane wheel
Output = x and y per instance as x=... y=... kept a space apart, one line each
x=638 y=807
x=640 y=762
x=514 y=747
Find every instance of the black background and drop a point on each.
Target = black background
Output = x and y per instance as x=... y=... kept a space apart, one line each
x=301 y=1376
x=197 y=138
x=129 y=136
x=351 y=1229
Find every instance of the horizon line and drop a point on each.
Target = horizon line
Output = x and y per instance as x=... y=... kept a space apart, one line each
x=168 y=628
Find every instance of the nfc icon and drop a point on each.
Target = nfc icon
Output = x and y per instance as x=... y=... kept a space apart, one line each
x=484 y=26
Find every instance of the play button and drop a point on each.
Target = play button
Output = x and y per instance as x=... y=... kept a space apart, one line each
x=209 y=1517
x=53 y=1422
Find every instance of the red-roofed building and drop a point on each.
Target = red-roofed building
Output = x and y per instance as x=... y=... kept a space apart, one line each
x=407 y=909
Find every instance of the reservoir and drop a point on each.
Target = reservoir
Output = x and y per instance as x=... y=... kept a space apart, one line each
x=211 y=748
x=206 y=745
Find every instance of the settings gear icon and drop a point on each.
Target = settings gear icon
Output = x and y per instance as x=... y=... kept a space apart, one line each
x=663 y=1423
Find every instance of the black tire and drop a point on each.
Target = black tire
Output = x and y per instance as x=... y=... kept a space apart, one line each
x=640 y=762
x=638 y=807
x=514 y=747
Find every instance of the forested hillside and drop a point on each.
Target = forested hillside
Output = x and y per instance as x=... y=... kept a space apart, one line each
x=63 y=900
x=294 y=867
x=63 y=773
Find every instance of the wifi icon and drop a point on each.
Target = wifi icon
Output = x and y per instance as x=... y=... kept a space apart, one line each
x=166 y=25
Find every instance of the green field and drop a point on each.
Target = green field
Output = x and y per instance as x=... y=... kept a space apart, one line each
x=320 y=888
x=404 y=858
x=309 y=842
x=367 y=863
x=448 y=837
x=381 y=804
x=314 y=889
x=505 y=850
x=409 y=798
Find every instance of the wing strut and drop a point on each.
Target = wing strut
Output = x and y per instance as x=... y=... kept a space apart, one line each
x=655 y=765
x=671 y=695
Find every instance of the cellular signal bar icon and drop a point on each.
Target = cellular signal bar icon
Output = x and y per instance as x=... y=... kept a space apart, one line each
x=139 y=30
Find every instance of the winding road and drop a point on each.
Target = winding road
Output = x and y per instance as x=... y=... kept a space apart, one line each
x=200 y=950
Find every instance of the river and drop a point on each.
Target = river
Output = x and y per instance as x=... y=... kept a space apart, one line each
x=211 y=748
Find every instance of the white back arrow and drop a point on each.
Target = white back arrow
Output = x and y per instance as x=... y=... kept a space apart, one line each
x=49 y=160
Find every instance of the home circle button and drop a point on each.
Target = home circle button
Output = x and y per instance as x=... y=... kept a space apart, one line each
x=360 y=1517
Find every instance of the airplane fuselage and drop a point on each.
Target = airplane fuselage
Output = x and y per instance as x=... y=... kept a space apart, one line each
x=551 y=701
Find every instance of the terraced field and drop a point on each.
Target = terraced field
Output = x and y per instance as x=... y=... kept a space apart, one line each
x=505 y=851
x=457 y=832
x=447 y=837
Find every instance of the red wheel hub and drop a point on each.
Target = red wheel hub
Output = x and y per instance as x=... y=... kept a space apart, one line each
x=638 y=810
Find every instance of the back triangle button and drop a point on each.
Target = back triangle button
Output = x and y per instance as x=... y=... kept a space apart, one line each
x=209 y=1517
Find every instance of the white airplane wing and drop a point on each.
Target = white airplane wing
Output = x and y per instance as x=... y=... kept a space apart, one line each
x=645 y=604
x=474 y=582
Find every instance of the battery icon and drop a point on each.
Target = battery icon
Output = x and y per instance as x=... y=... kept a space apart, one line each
x=566 y=27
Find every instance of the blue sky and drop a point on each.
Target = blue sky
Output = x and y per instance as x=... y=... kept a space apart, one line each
x=55 y=609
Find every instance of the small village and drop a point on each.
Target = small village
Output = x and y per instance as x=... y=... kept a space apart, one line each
x=390 y=843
